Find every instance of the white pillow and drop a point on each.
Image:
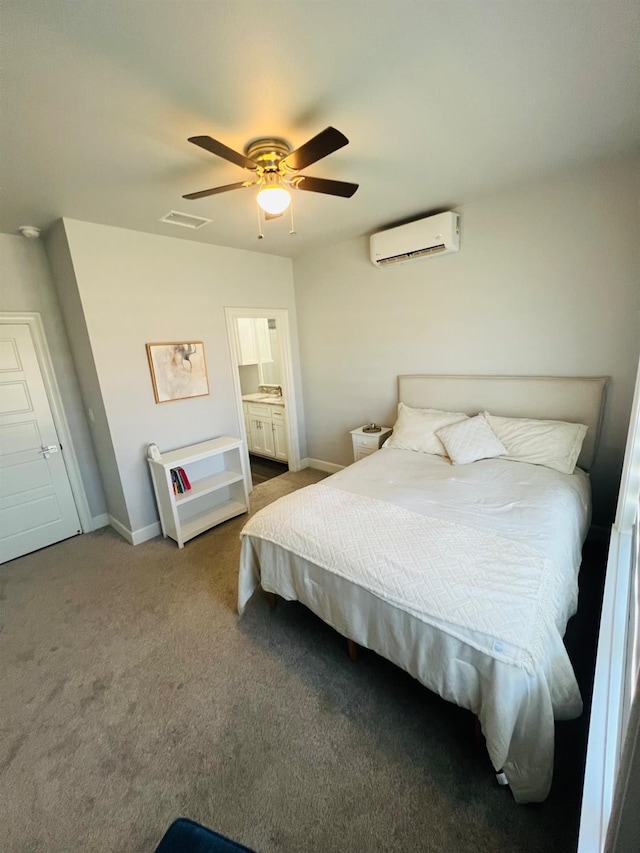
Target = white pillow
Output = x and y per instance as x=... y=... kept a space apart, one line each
x=470 y=440
x=554 y=444
x=415 y=429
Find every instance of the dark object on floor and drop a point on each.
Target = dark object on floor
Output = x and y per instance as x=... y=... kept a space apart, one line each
x=263 y=469
x=186 y=836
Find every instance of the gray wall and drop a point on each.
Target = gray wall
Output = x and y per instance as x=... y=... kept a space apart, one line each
x=132 y=288
x=81 y=349
x=545 y=282
x=27 y=286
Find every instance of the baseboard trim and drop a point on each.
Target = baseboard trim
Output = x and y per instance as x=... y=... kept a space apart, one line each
x=143 y=534
x=121 y=529
x=329 y=467
x=136 y=537
x=98 y=521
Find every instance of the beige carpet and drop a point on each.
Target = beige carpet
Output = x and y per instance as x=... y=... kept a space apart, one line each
x=132 y=694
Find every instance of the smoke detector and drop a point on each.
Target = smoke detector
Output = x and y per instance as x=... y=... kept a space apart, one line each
x=29 y=231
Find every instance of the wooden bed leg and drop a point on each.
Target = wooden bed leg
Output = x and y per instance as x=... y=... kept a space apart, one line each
x=352 y=650
x=272 y=598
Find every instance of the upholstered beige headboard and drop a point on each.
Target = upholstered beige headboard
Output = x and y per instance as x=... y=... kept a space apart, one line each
x=577 y=399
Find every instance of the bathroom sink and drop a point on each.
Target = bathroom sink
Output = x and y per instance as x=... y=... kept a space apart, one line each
x=263 y=398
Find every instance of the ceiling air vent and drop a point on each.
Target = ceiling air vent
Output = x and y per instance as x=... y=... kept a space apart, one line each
x=174 y=217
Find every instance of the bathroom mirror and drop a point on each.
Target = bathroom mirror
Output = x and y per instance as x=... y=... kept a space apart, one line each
x=258 y=353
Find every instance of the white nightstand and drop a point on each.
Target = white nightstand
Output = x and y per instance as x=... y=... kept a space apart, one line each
x=365 y=443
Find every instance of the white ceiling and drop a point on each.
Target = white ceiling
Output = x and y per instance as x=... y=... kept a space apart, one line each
x=442 y=101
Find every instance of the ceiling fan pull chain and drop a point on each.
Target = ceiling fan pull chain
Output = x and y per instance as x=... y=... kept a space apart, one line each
x=293 y=230
x=260 y=234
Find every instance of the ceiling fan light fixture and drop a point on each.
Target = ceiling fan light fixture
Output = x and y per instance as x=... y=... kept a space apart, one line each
x=274 y=198
x=274 y=165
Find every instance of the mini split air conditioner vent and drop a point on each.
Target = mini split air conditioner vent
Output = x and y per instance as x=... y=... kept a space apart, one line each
x=434 y=235
x=411 y=256
x=174 y=217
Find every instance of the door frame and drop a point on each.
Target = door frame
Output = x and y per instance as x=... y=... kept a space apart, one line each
x=33 y=320
x=281 y=316
x=606 y=793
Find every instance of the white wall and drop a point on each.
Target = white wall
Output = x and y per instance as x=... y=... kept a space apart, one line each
x=81 y=350
x=27 y=286
x=137 y=288
x=249 y=378
x=545 y=282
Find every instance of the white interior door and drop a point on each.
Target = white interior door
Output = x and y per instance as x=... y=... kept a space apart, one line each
x=37 y=507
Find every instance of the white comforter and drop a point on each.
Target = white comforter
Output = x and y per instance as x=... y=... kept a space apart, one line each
x=464 y=576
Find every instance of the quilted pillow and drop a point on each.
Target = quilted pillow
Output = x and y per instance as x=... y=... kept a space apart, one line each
x=415 y=429
x=470 y=440
x=554 y=444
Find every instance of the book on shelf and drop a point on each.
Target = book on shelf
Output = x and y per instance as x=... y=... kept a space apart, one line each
x=180 y=481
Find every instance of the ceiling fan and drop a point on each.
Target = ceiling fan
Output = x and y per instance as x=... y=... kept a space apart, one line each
x=274 y=165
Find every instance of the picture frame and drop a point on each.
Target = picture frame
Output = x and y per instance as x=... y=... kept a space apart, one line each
x=178 y=370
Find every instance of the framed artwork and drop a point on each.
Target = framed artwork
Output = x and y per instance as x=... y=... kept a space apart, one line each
x=178 y=370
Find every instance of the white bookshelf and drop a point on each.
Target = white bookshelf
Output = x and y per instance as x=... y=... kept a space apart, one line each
x=216 y=471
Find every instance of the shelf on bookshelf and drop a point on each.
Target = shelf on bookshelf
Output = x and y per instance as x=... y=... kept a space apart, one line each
x=208 y=518
x=208 y=484
x=185 y=455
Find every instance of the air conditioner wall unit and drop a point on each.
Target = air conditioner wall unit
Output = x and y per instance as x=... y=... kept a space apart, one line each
x=433 y=235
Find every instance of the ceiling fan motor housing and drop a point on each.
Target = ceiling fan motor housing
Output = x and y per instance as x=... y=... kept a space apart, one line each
x=268 y=153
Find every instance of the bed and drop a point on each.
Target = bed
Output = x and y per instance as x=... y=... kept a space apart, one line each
x=464 y=575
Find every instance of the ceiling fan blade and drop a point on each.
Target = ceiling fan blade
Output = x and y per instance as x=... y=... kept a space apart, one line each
x=215 y=147
x=325 y=142
x=216 y=190
x=322 y=185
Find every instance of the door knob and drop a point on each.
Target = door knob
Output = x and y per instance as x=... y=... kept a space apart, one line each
x=48 y=449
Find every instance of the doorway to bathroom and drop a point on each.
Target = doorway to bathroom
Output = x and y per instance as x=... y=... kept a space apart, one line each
x=263 y=469
x=260 y=347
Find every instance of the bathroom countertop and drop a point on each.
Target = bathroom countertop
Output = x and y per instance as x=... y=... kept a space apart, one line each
x=271 y=399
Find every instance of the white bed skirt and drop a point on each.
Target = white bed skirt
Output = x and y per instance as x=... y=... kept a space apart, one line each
x=516 y=710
